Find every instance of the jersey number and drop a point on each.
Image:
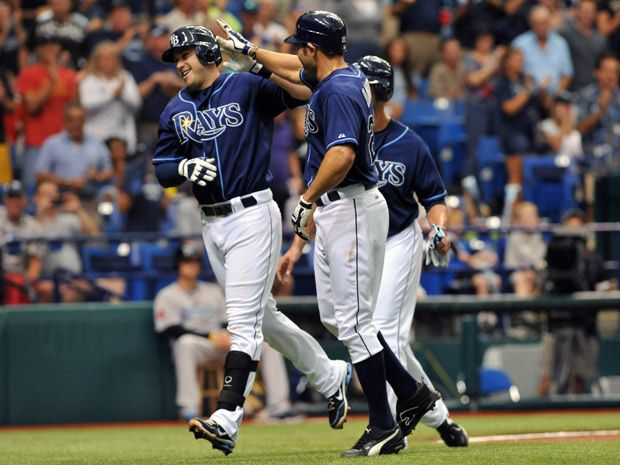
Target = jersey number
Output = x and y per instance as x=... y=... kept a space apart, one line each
x=371 y=139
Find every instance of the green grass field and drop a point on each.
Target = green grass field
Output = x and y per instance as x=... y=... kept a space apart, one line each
x=312 y=443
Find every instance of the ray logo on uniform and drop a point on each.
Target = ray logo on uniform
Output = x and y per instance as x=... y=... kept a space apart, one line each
x=206 y=124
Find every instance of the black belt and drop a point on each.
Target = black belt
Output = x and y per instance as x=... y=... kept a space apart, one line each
x=332 y=196
x=227 y=208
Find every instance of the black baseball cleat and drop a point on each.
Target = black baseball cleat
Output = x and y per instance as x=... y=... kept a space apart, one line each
x=410 y=411
x=452 y=434
x=338 y=405
x=212 y=432
x=377 y=441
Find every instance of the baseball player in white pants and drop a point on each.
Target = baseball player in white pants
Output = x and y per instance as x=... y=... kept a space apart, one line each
x=216 y=133
x=405 y=167
x=350 y=216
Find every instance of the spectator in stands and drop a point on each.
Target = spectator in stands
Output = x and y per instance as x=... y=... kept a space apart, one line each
x=192 y=315
x=558 y=14
x=185 y=13
x=584 y=42
x=142 y=200
x=110 y=96
x=270 y=33
x=599 y=112
x=118 y=28
x=447 y=77
x=364 y=20
x=61 y=217
x=13 y=54
x=482 y=65
x=7 y=107
x=20 y=261
x=560 y=129
x=419 y=26
x=517 y=102
x=70 y=28
x=570 y=344
x=73 y=160
x=157 y=82
x=45 y=88
x=546 y=54
x=398 y=56
x=525 y=251
x=608 y=21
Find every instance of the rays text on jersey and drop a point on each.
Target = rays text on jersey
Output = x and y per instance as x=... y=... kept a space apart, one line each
x=206 y=124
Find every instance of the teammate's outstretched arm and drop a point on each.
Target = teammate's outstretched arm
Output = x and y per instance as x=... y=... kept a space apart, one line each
x=285 y=65
x=287 y=262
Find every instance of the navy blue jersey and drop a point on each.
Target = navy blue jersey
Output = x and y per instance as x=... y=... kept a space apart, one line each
x=231 y=121
x=405 y=166
x=339 y=112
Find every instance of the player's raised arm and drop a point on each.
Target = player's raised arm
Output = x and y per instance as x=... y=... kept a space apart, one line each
x=284 y=65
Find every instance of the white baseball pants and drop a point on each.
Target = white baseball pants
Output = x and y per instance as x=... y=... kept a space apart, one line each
x=243 y=249
x=348 y=260
x=396 y=306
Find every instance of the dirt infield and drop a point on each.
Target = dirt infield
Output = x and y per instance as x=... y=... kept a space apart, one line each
x=608 y=435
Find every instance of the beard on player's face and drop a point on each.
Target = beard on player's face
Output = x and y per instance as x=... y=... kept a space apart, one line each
x=307 y=58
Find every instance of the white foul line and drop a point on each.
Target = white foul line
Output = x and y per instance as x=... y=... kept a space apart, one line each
x=554 y=435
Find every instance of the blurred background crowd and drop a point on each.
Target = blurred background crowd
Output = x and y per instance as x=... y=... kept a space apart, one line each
x=517 y=99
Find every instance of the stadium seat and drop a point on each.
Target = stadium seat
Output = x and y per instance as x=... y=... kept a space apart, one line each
x=492 y=173
x=452 y=146
x=550 y=185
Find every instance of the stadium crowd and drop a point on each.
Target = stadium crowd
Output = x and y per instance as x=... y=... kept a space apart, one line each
x=82 y=87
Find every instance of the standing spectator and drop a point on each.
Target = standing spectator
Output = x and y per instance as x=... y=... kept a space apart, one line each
x=599 y=112
x=482 y=65
x=271 y=34
x=517 y=119
x=419 y=26
x=584 y=42
x=20 y=261
x=157 y=82
x=364 y=20
x=447 y=77
x=7 y=106
x=73 y=160
x=560 y=129
x=192 y=315
x=608 y=21
x=110 y=96
x=118 y=28
x=545 y=53
x=558 y=14
x=13 y=54
x=70 y=28
x=398 y=56
x=185 y=13
x=45 y=88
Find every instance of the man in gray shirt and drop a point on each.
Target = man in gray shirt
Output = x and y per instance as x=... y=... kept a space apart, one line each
x=584 y=42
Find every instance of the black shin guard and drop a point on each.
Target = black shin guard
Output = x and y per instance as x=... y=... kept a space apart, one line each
x=237 y=369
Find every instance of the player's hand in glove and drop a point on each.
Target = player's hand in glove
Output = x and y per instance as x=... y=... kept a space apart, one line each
x=300 y=218
x=438 y=248
x=198 y=170
x=243 y=63
x=235 y=43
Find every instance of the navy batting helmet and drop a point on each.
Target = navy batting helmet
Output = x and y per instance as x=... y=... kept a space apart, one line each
x=323 y=29
x=379 y=73
x=202 y=39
